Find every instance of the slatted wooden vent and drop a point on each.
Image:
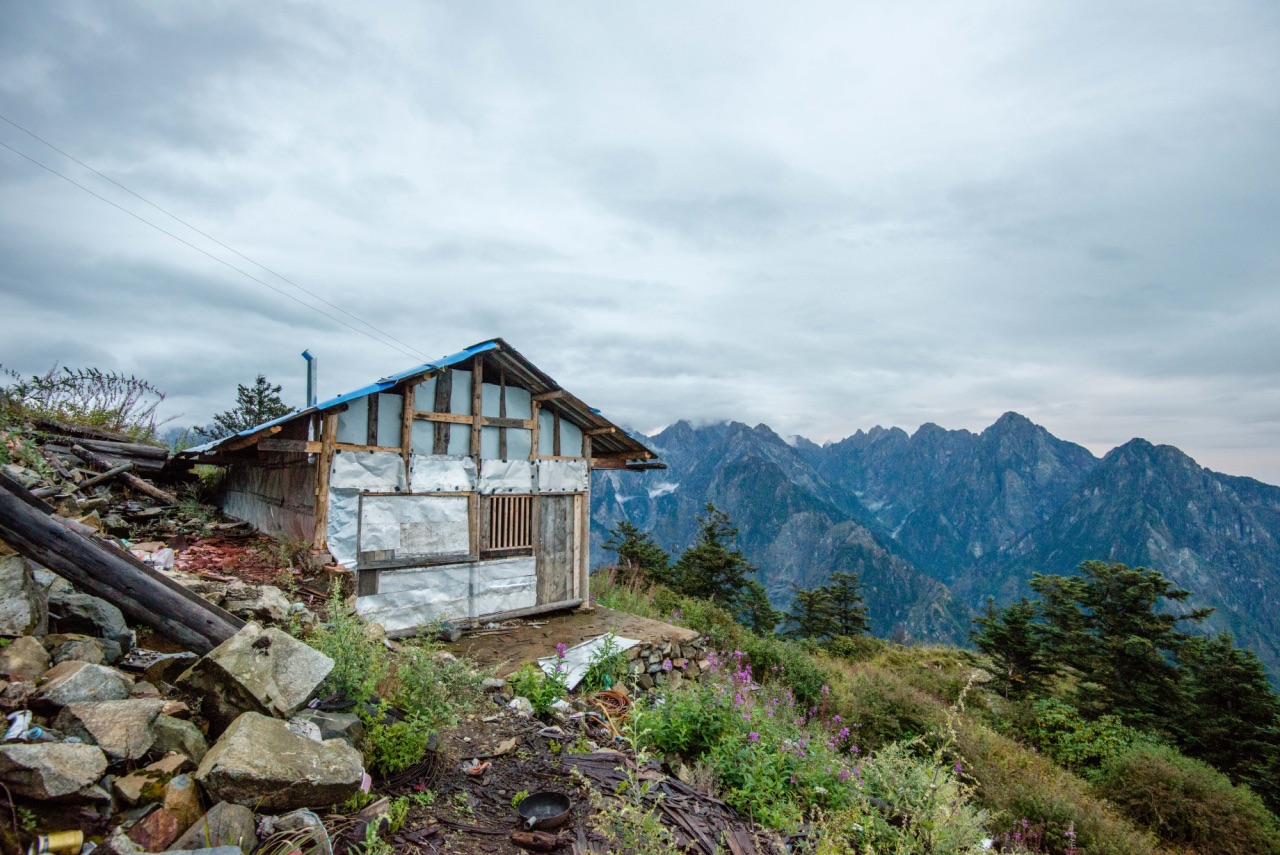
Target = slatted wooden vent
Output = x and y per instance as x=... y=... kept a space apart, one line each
x=511 y=522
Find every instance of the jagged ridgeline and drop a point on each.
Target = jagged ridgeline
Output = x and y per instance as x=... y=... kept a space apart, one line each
x=934 y=522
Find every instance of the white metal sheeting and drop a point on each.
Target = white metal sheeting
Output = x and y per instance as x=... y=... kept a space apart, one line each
x=368 y=471
x=343 y=530
x=413 y=526
x=506 y=476
x=438 y=473
x=577 y=659
x=412 y=597
x=562 y=476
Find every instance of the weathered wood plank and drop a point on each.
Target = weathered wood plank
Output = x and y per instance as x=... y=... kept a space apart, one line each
x=443 y=404
x=292 y=445
x=324 y=463
x=134 y=482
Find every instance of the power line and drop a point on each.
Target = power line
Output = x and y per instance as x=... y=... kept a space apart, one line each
x=405 y=348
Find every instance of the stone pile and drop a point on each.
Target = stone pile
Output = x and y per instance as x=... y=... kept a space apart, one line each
x=657 y=663
x=159 y=752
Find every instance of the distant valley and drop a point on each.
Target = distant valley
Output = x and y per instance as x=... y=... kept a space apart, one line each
x=935 y=521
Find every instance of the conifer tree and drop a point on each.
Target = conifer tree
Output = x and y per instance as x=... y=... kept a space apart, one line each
x=755 y=610
x=845 y=605
x=255 y=405
x=1107 y=625
x=639 y=558
x=810 y=615
x=1013 y=639
x=710 y=569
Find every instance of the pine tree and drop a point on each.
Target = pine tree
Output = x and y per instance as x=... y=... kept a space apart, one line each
x=1014 y=640
x=710 y=569
x=254 y=405
x=1233 y=716
x=1106 y=626
x=810 y=615
x=844 y=601
x=755 y=611
x=639 y=558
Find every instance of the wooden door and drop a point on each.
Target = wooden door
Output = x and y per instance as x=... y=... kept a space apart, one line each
x=555 y=548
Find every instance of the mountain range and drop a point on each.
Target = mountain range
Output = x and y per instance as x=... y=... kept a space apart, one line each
x=936 y=521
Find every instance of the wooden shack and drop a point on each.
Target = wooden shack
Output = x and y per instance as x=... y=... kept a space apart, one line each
x=459 y=489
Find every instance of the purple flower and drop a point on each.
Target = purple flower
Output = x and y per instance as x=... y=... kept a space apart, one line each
x=561 y=648
x=753 y=737
x=666 y=665
x=958 y=770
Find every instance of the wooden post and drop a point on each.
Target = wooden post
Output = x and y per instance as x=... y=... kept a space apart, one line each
x=502 y=414
x=444 y=398
x=477 y=403
x=406 y=425
x=371 y=434
x=99 y=568
x=536 y=409
x=555 y=433
x=584 y=524
x=324 y=461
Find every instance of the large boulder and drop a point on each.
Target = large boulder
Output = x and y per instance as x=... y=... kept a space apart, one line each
x=260 y=762
x=123 y=729
x=256 y=670
x=24 y=605
x=56 y=771
x=224 y=825
x=73 y=682
x=79 y=648
x=87 y=615
x=24 y=658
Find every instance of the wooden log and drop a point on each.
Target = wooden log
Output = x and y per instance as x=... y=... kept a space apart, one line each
x=79 y=431
x=133 y=481
x=477 y=403
x=103 y=478
x=98 y=568
x=125 y=449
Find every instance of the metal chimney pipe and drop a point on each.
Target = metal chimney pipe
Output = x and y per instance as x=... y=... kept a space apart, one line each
x=312 y=377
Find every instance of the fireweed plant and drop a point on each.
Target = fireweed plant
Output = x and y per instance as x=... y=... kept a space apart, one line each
x=782 y=762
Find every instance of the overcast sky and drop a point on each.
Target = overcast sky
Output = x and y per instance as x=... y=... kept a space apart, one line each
x=822 y=216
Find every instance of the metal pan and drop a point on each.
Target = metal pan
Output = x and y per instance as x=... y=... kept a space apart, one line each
x=544 y=811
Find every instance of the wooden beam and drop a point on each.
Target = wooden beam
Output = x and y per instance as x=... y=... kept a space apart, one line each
x=443 y=418
x=534 y=429
x=555 y=437
x=477 y=402
x=502 y=413
x=99 y=568
x=406 y=423
x=371 y=434
x=350 y=446
x=548 y=396
x=324 y=462
x=599 y=432
x=299 y=445
x=444 y=402
x=246 y=441
x=499 y=422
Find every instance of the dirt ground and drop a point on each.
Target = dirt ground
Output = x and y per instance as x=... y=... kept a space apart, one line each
x=526 y=640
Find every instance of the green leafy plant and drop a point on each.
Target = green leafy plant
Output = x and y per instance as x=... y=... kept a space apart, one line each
x=518 y=798
x=90 y=397
x=607 y=667
x=541 y=688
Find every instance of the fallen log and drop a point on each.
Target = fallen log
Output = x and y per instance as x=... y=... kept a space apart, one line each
x=133 y=481
x=104 y=477
x=99 y=568
x=125 y=449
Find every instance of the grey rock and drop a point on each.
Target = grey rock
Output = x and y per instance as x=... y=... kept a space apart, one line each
x=178 y=736
x=449 y=632
x=51 y=583
x=334 y=725
x=493 y=684
x=88 y=615
x=24 y=657
x=260 y=762
x=300 y=820
x=24 y=605
x=26 y=477
x=81 y=650
x=78 y=682
x=256 y=670
x=257 y=602
x=58 y=771
x=109 y=647
x=224 y=826
x=123 y=729
x=168 y=667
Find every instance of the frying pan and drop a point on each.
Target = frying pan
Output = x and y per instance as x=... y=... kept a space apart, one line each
x=544 y=811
